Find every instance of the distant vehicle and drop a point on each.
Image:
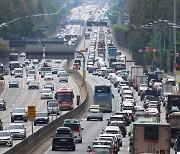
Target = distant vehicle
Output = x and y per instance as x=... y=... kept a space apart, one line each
x=33 y=85
x=103 y=97
x=65 y=98
x=13 y=65
x=2 y=104
x=19 y=114
x=35 y=61
x=2 y=71
x=18 y=130
x=18 y=72
x=48 y=76
x=14 y=84
x=46 y=93
x=13 y=57
x=94 y=113
x=1 y=125
x=63 y=76
x=30 y=78
x=63 y=139
x=53 y=107
x=6 y=138
x=41 y=118
x=45 y=69
x=22 y=54
x=49 y=85
x=75 y=126
x=87 y=35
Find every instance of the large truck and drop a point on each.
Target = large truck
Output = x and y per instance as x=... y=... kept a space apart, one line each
x=174 y=121
x=173 y=104
x=133 y=72
x=129 y=63
x=151 y=138
x=101 y=51
x=138 y=80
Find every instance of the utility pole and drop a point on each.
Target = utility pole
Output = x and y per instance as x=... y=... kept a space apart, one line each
x=174 y=32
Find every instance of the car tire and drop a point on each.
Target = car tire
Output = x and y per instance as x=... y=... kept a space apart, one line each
x=25 y=120
x=73 y=149
x=12 y=120
x=121 y=144
x=101 y=119
x=34 y=124
x=53 y=148
x=11 y=145
x=88 y=119
x=80 y=141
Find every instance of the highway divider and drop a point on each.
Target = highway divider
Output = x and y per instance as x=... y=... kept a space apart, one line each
x=33 y=141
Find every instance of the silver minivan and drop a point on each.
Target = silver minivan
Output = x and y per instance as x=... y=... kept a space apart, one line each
x=63 y=76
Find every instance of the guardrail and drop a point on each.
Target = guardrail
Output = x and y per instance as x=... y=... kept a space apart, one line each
x=32 y=142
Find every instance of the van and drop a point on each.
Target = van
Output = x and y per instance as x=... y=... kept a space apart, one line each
x=63 y=76
x=18 y=72
x=75 y=126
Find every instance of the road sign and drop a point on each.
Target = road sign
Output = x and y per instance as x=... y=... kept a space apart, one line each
x=31 y=112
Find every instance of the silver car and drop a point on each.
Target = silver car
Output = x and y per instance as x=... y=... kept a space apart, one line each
x=94 y=114
x=46 y=93
x=6 y=138
x=17 y=130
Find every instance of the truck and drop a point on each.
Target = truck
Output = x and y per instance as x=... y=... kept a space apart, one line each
x=138 y=80
x=174 y=121
x=112 y=51
x=101 y=51
x=129 y=63
x=150 y=138
x=133 y=72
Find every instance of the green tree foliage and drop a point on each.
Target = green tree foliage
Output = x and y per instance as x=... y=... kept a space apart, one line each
x=23 y=10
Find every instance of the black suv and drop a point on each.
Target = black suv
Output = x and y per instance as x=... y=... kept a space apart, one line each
x=19 y=114
x=2 y=104
x=63 y=139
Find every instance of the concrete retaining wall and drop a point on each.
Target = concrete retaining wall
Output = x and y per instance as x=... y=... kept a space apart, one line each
x=29 y=144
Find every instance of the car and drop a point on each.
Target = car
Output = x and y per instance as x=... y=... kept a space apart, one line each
x=29 y=78
x=6 y=138
x=60 y=71
x=33 y=85
x=2 y=104
x=18 y=130
x=14 y=84
x=58 y=61
x=63 y=139
x=35 y=61
x=63 y=76
x=41 y=118
x=53 y=107
x=49 y=85
x=75 y=126
x=1 y=125
x=22 y=54
x=94 y=113
x=18 y=72
x=46 y=93
x=55 y=70
x=106 y=149
x=19 y=114
x=48 y=76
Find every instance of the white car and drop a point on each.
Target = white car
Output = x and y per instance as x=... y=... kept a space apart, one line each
x=17 y=130
x=6 y=138
x=46 y=93
x=48 y=76
x=29 y=78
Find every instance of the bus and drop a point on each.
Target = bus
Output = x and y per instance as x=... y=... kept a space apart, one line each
x=13 y=57
x=2 y=70
x=65 y=98
x=87 y=35
x=103 y=97
x=13 y=65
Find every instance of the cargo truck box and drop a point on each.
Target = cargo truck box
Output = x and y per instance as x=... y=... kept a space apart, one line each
x=151 y=138
x=139 y=79
x=112 y=51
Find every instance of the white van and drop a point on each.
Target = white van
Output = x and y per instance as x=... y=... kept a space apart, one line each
x=18 y=72
x=63 y=76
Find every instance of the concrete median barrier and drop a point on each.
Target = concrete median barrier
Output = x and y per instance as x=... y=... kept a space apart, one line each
x=32 y=142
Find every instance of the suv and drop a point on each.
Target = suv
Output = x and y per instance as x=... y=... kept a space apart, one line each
x=18 y=130
x=1 y=125
x=64 y=138
x=53 y=107
x=75 y=126
x=19 y=114
x=2 y=104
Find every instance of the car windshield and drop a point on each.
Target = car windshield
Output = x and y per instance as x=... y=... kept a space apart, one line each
x=63 y=75
x=46 y=91
x=111 y=132
x=41 y=115
x=51 y=104
x=19 y=111
x=4 y=134
x=15 y=127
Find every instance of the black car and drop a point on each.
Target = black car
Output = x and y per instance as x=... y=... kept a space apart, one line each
x=49 y=85
x=63 y=139
x=19 y=114
x=14 y=84
x=2 y=104
x=41 y=118
x=33 y=85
